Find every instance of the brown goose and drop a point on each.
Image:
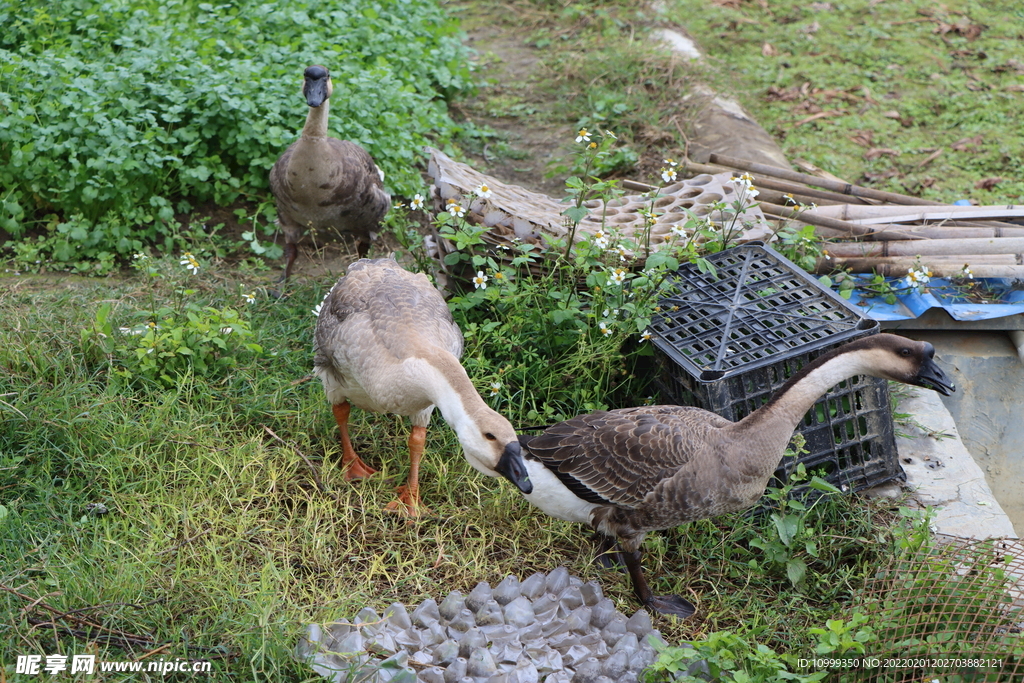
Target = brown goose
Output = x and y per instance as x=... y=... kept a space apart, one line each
x=386 y=341
x=629 y=471
x=323 y=183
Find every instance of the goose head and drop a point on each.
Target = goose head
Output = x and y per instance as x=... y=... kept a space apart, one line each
x=903 y=360
x=492 y=448
x=316 y=85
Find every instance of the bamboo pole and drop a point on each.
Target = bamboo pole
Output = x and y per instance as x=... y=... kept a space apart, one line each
x=867 y=215
x=851 y=229
x=802 y=193
x=840 y=187
x=928 y=232
x=947 y=247
x=892 y=267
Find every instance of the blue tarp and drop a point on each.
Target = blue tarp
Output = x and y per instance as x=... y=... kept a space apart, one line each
x=1007 y=300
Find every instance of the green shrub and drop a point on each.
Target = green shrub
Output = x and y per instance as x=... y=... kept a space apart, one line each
x=115 y=116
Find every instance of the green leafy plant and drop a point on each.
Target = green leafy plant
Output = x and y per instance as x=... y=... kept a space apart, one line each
x=790 y=539
x=724 y=656
x=117 y=117
x=843 y=637
x=171 y=341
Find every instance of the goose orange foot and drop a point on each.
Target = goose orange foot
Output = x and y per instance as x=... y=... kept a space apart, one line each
x=408 y=504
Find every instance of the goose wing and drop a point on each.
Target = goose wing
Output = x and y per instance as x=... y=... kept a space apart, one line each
x=382 y=306
x=617 y=457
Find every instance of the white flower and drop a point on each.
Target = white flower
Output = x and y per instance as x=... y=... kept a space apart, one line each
x=495 y=388
x=226 y=330
x=605 y=330
x=480 y=281
x=966 y=272
x=250 y=297
x=609 y=134
x=190 y=262
x=918 y=278
x=678 y=230
x=646 y=336
x=483 y=191
x=668 y=174
x=618 y=276
x=139 y=256
x=583 y=135
x=456 y=210
x=623 y=252
x=600 y=240
x=417 y=202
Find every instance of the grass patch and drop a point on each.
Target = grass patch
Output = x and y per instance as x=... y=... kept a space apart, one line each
x=911 y=96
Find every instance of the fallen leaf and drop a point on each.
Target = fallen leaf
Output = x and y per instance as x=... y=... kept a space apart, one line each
x=731 y=4
x=1016 y=87
x=967 y=144
x=811 y=28
x=927 y=182
x=821 y=6
x=864 y=138
x=987 y=183
x=767 y=50
x=876 y=152
x=930 y=158
x=891 y=114
x=819 y=115
x=1010 y=65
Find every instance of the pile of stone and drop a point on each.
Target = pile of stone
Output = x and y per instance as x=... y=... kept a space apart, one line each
x=550 y=627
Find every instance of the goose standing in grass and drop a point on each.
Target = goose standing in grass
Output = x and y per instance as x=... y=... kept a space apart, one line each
x=386 y=342
x=630 y=471
x=323 y=183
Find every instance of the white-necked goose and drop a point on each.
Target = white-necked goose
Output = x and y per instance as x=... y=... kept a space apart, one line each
x=323 y=183
x=386 y=342
x=630 y=471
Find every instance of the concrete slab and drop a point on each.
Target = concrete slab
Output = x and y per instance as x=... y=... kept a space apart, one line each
x=942 y=473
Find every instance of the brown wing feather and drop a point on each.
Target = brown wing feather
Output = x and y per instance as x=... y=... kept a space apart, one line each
x=622 y=455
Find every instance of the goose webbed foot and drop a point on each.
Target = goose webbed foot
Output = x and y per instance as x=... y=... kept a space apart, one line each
x=408 y=504
x=671 y=605
x=608 y=555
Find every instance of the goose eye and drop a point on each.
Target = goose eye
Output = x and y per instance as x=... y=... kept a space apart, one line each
x=490 y=437
x=904 y=351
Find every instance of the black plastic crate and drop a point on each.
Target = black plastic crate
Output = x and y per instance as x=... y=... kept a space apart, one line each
x=727 y=341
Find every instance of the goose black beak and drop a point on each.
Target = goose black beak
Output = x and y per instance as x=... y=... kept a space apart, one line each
x=314 y=86
x=931 y=376
x=512 y=467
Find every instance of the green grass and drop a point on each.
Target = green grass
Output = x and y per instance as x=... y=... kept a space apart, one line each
x=217 y=537
x=912 y=77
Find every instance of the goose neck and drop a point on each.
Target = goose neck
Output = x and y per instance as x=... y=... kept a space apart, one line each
x=789 y=405
x=316 y=121
x=453 y=393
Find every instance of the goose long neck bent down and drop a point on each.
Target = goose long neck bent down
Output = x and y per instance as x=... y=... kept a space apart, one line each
x=316 y=121
x=452 y=391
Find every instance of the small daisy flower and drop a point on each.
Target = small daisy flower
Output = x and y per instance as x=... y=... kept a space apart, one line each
x=499 y=276
x=646 y=336
x=672 y=163
x=678 y=230
x=623 y=252
x=417 y=202
x=668 y=175
x=480 y=281
x=495 y=388
x=456 y=210
x=483 y=191
x=190 y=262
x=250 y=297
x=609 y=134
x=601 y=239
x=965 y=272
x=226 y=330
x=789 y=199
x=592 y=145
x=618 y=276
x=605 y=330
x=140 y=256
x=828 y=256
x=583 y=135
x=916 y=278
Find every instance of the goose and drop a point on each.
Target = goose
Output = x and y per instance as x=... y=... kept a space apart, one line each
x=385 y=341
x=629 y=471
x=324 y=183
